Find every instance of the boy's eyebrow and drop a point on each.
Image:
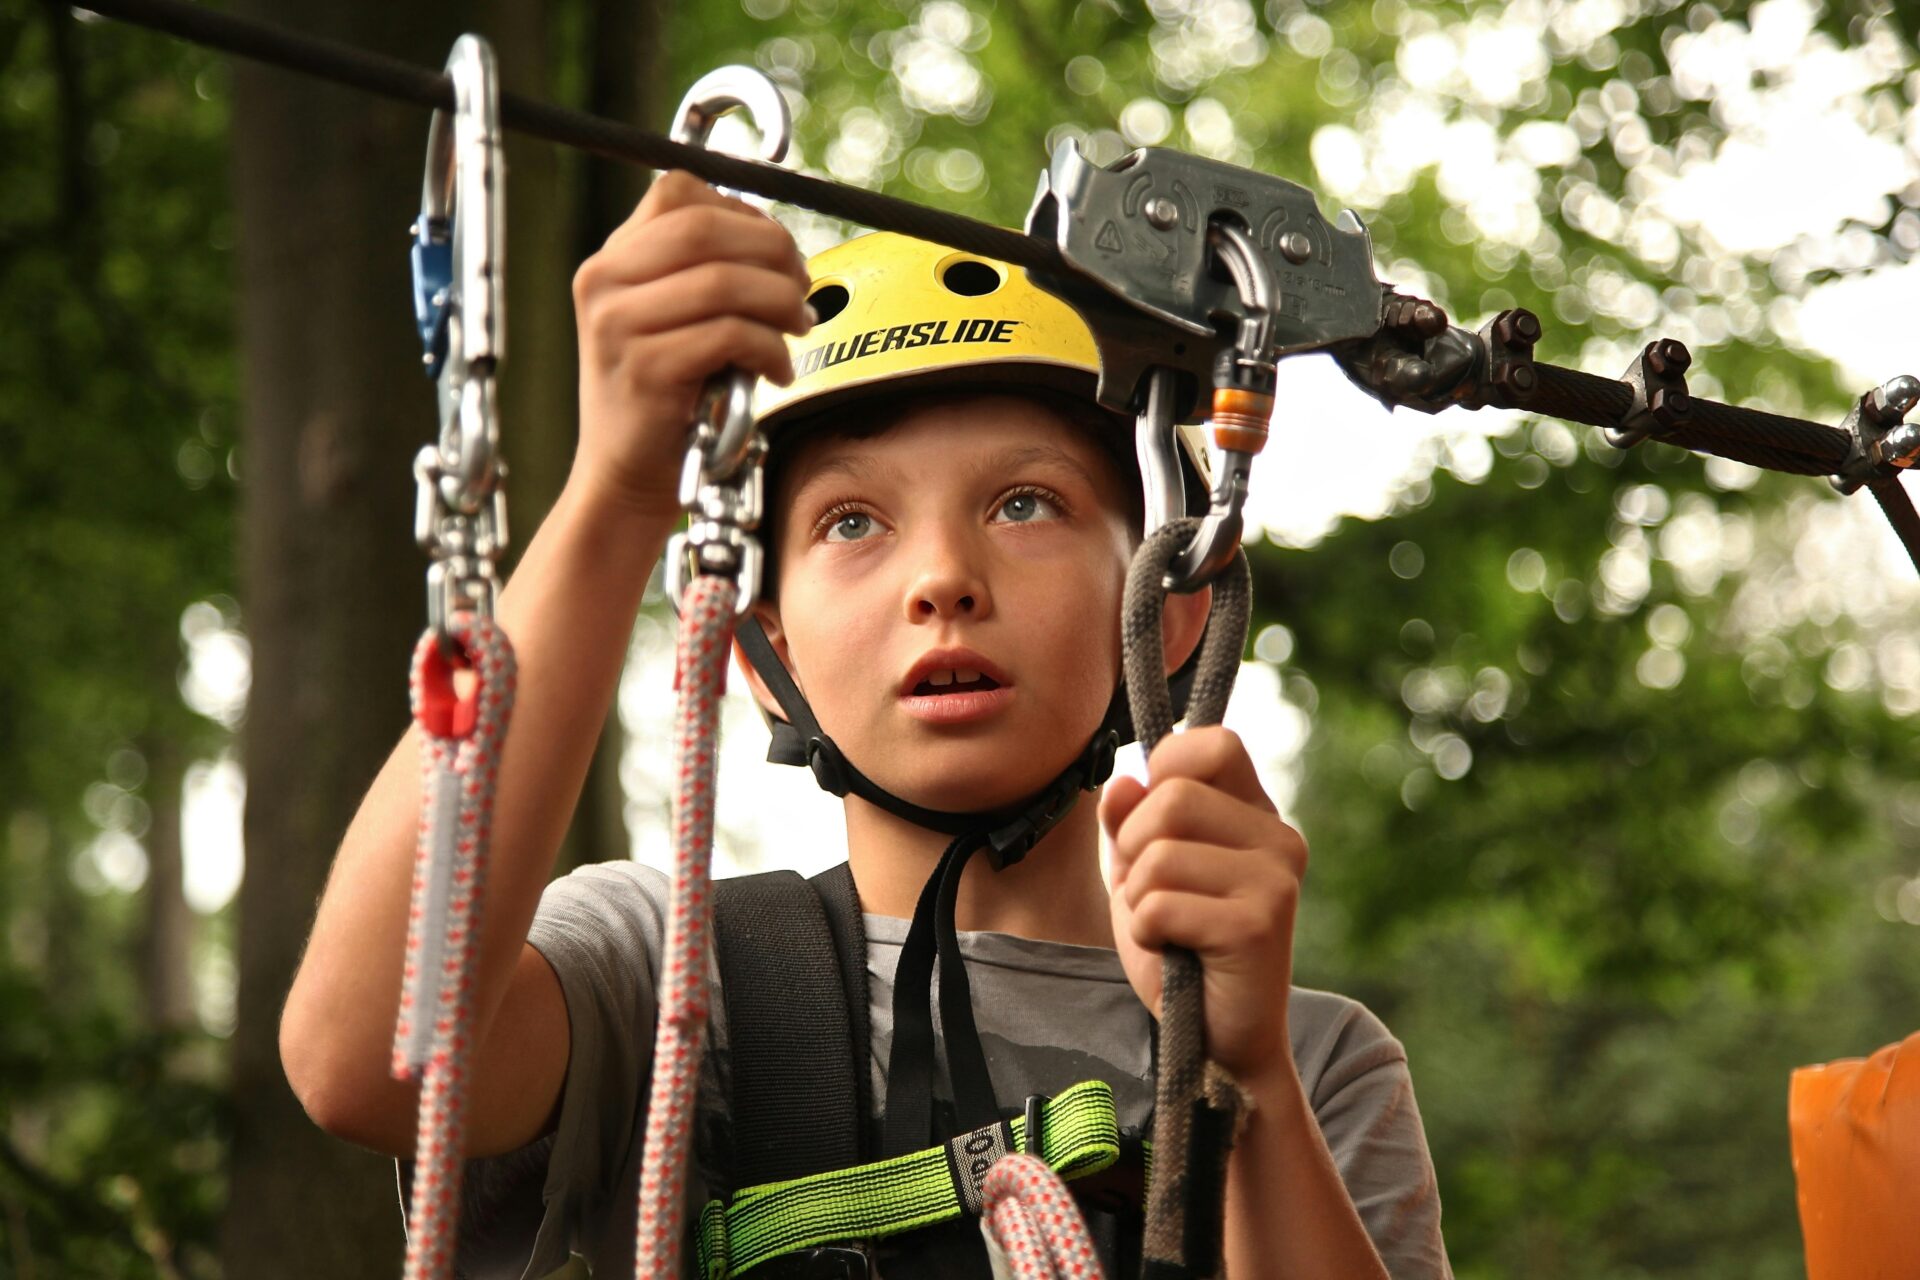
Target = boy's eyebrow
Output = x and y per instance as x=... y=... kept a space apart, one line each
x=858 y=467
x=863 y=468
x=1028 y=455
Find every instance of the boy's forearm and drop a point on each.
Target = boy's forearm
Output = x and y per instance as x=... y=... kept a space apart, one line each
x=1288 y=1213
x=569 y=612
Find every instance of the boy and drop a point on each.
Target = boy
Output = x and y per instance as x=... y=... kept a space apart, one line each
x=946 y=591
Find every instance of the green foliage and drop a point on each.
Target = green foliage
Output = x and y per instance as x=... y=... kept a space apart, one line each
x=116 y=509
x=1631 y=911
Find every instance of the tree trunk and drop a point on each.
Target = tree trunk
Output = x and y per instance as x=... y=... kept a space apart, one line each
x=166 y=942
x=623 y=43
x=326 y=182
x=334 y=406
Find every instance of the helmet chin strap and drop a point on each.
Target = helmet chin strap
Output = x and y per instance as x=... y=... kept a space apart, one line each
x=1008 y=833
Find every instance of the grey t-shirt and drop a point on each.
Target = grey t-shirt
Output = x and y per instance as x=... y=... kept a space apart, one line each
x=1049 y=1014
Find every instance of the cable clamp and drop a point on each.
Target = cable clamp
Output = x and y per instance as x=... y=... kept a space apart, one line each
x=1658 y=380
x=1510 y=378
x=1881 y=439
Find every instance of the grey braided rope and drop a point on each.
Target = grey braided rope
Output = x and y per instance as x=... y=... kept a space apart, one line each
x=1173 y=1245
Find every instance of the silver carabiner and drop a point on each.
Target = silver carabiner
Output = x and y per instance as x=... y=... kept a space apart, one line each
x=1243 y=381
x=720 y=480
x=459 y=264
x=725 y=422
x=1156 y=446
x=459 y=300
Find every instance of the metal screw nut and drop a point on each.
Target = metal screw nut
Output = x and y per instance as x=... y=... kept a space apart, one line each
x=1668 y=355
x=1517 y=327
x=1665 y=404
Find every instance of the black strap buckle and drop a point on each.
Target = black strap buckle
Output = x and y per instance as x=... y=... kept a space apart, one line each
x=824 y=1262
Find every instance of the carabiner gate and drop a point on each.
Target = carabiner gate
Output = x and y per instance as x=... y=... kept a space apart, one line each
x=720 y=480
x=458 y=294
x=1243 y=382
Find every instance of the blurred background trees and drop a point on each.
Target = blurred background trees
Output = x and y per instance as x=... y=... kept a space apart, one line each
x=1606 y=758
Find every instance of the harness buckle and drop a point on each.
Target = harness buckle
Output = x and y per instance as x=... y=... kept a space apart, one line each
x=823 y=1262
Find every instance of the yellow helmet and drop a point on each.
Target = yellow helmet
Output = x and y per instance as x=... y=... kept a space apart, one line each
x=895 y=310
x=892 y=307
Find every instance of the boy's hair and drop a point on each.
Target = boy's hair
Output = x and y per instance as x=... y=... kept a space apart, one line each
x=873 y=416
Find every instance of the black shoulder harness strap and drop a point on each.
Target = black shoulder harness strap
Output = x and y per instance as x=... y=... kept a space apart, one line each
x=793 y=973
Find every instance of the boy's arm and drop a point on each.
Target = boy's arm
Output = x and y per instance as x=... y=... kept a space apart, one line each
x=691 y=284
x=569 y=610
x=1201 y=859
x=1288 y=1212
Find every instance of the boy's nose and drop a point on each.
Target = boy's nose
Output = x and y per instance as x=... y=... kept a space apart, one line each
x=947 y=589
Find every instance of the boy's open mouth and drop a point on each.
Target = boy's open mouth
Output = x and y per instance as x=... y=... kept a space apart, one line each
x=954 y=680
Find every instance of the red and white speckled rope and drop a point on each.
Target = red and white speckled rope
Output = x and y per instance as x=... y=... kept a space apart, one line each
x=1032 y=1217
x=706 y=632
x=461 y=739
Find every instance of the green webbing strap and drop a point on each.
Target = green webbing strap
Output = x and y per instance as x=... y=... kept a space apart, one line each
x=1079 y=1133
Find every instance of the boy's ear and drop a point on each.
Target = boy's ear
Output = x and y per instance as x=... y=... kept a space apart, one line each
x=1182 y=621
x=769 y=620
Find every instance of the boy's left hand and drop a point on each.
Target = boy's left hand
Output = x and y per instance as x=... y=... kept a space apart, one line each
x=1202 y=860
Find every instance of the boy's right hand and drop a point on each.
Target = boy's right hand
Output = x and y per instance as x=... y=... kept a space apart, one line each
x=693 y=282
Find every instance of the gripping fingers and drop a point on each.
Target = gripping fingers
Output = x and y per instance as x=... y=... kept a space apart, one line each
x=704 y=292
x=1188 y=866
x=1214 y=755
x=1202 y=923
x=1181 y=808
x=697 y=234
x=701 y=349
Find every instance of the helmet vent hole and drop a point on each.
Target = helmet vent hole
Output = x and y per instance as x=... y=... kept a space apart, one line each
x=970 y=279
x=828 y=301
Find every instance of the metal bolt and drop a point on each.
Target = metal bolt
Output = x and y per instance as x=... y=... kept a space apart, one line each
x=1296 y=246
x=1427 y=320
x=1666 y=403
x=1901 y=446
x=1521 y=377
x=1668 y=355
x=1895 y=398
x=1162 y=213
x=1516 y=327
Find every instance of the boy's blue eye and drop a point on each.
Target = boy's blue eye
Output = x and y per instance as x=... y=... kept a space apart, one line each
x=1024 y=507
x=851 y=527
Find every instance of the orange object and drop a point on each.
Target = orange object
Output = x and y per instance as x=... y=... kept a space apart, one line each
x=1856 y=1158
x=1240 y=419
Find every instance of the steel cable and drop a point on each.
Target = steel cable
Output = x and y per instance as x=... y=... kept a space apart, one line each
x=1603 y=402
x=1754 y=436
x=408 y=82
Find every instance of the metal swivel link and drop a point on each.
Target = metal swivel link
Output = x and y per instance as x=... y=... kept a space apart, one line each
x=720 y=479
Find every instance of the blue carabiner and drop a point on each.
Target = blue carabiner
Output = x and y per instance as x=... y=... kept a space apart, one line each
x=432 y=258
